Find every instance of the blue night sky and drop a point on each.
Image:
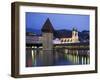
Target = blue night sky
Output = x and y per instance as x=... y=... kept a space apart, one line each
x=59 y=21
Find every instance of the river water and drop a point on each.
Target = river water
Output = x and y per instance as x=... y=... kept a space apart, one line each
x=39 y=57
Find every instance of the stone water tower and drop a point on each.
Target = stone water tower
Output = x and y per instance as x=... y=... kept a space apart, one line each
x=47 y=42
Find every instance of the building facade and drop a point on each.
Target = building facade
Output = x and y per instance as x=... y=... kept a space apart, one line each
x=73 y=38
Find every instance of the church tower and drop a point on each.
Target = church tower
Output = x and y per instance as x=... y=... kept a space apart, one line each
x=47 y=41
x=75 y=37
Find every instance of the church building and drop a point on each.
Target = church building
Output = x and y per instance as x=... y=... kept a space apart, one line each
x=72 y=38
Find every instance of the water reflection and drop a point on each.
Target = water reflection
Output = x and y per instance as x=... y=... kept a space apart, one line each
x=39 y=57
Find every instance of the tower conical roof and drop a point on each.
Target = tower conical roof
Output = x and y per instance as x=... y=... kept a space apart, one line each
x=47 y=27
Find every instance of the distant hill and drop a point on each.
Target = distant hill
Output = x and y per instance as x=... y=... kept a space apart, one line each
x=34 y=31
x=83 y=35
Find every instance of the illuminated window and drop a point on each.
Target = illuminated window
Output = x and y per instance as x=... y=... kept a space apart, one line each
x=68 y=40
x=65 y=40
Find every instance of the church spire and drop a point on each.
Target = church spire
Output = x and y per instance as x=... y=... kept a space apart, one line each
x=74 y=29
